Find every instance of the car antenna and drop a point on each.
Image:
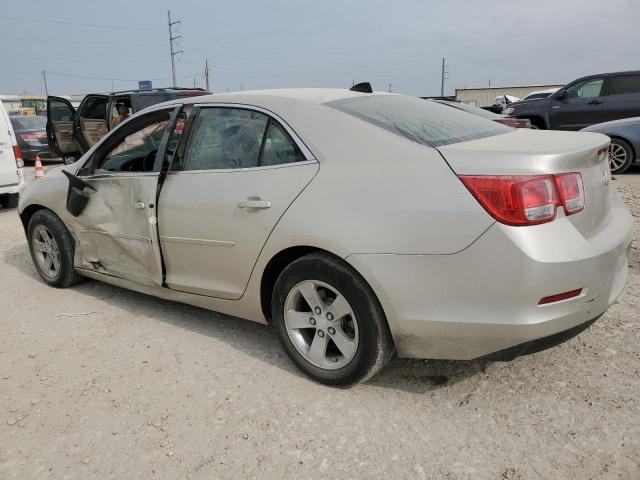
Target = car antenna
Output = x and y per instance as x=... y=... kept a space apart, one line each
x=364 y=87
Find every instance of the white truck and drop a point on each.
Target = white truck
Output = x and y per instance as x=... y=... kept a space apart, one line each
x=11 y=163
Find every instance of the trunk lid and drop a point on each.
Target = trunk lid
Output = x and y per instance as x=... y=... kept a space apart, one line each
x=533 y=152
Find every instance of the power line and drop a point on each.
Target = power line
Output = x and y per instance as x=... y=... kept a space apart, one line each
x=92 y=25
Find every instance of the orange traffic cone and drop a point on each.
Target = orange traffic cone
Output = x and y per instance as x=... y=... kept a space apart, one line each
x=39 y=169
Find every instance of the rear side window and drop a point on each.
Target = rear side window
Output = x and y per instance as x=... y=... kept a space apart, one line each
x=95 y=109
x=425 y=122
x=278 y=147
x=624 y=84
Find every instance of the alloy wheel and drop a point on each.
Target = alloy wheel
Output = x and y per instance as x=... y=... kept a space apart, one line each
x=617 y=156
x=321 y=324
x=46 y=251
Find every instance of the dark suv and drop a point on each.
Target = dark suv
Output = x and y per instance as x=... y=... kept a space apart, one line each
x=584 y=102
x=71 y=133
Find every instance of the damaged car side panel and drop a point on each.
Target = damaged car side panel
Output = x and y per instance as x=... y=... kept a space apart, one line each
x=116 y=233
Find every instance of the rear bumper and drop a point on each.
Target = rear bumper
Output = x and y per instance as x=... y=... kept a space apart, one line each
x=485 y=298
x=29 y=152
x=9 y=189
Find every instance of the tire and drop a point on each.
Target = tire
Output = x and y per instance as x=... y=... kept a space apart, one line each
x=46 y=229
x=534 y=127
x=620 y=155
x=9 y=201
x=363 y=333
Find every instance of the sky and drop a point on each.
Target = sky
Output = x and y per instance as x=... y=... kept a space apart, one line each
x=87 y=46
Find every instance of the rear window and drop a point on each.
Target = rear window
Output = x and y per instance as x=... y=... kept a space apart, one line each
x=28 y=123
x=425 y=122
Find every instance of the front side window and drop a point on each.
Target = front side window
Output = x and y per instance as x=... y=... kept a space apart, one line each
x=136 y=146
x=586 y=89
x=425 y=122
x=624 y=84
x=120 y=110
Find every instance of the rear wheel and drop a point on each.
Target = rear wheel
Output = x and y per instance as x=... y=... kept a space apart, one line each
x=329 y=321
x=620 y=155
x=52 y=249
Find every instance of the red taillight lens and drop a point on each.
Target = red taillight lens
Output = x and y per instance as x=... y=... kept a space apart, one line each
x=527 y=200
x=32 y=137
x=571 y=192
x=18 y=154
x=516 y=200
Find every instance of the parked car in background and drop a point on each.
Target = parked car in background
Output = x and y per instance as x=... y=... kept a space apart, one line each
x=360 y=225
x=71 y=133
x=31 y=135
x=481 y=112
x=540 y=94
x=625 y=142
x=11 y=163
x=500 y=103
x=586 y=101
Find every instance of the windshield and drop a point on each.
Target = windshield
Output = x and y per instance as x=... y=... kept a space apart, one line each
x=424 y=122
x=29 y=123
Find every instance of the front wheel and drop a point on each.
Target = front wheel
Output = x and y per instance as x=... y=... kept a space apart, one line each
x=52 y=249
x=329 y=321
x=620 y=155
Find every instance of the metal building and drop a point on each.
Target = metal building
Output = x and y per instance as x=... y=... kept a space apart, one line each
x=485 y=96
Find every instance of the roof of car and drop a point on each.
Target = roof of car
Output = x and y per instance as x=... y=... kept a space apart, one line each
x=609 y=74
x=313 y=95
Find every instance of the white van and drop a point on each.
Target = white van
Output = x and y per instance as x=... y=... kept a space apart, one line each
x=11 y=163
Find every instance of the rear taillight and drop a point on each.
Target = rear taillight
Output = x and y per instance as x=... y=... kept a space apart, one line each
x=571 y=192
x=32 y=137
x=18 y=154
x=527 y=200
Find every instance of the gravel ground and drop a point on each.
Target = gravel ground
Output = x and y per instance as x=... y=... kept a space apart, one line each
x=99 y=382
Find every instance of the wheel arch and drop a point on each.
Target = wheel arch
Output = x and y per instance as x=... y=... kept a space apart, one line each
x=274 y=268
x=28 y=212
x=279 y=262
x=536 y=120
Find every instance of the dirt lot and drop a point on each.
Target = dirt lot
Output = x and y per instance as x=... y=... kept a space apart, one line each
x=98 y=382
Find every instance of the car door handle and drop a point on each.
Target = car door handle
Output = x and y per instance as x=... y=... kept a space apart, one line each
x=254 y=203
x=595 y=102
x=138 y=205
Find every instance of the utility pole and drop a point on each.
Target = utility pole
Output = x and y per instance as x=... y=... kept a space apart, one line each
x=173 y=52
x=44 y=80
x=194 y=82
x=444 y=72
x=206 y=73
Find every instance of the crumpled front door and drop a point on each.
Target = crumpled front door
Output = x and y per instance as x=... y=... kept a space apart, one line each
x=117 y=231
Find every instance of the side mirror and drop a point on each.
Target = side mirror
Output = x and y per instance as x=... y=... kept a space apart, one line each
x=562 y=94
x=77 y=197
